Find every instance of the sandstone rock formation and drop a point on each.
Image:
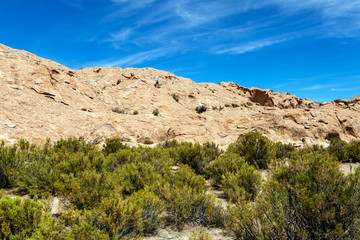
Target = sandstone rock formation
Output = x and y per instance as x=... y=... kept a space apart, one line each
x=42 y=99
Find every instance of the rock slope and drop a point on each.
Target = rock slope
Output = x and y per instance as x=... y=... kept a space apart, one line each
x=42 y=99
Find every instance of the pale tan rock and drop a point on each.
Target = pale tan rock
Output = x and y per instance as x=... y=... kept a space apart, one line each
x=42 y=99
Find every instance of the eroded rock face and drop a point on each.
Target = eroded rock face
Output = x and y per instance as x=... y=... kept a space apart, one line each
x=42 y=99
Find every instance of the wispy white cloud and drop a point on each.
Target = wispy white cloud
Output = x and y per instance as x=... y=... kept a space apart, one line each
x=317 y=87
x=250 y=46
x=199 y=25
x=120 y=36
x=123 y=8
x=340 y=18
x=341 y=89
x=136 y=58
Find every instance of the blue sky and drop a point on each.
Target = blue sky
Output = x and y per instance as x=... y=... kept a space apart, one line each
x=310 y=48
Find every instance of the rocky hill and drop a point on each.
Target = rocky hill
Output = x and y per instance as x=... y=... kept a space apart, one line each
x=42 y=99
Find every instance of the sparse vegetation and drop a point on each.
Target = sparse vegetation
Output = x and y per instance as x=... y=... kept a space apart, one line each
x=235 y=105
x=200 y=235
x=148 y=141
x=118 y=110
x=175 y=97
x=156 y=112
x=201 y=109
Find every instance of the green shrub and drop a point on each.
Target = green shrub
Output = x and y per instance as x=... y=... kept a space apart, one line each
x=11 y=161
x=244 y=183
x=148 y=141
x=226 y=163
x=134 y=176
x=175 y=97
x=197 y=156
x=353 y=151
x=88 y=189
x=283 y=150
x=338 y=149
x=25 y=219
x=256 y=149
x=186 y=176
x=308 y=199
x=112 y=145
x=158 y=157
x=73 y=145
x=184 y=194
x=41 y=175
x=118 y=110
x=235 y=105
x=170 y=144
x=201 y=109
x=134 y=217
x=188 y=205
x=156 y=112
x=115 y=160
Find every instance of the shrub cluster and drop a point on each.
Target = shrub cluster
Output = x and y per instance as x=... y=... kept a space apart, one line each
x=114 y=193
x=120 y=192
x=345 y=152
x=310 y=198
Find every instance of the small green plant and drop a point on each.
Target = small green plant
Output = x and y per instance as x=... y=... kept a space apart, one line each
x=200 y=235
x=117 y=110
x=158 y=84
x=235 y=105
x=148 y=141
x=175 y=97
x=136 y=112
x=249 y=104
x=227 y=105
x=201 y=109
x=156 y=112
